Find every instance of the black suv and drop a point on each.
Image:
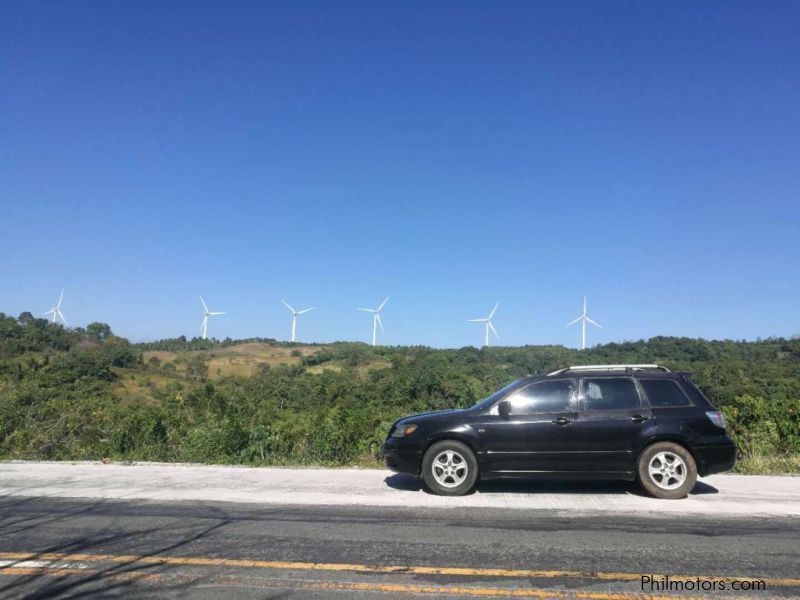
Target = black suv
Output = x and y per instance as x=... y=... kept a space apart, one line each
x=630 y=422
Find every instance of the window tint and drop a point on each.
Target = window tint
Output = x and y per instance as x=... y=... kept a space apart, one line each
x=610 y=394
x=547 y=396
x=663 y=392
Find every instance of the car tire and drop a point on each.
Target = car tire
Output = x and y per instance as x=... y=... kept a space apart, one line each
x=666 y=470
x=449 y=468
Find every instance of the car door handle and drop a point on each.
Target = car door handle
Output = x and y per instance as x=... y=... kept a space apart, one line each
x=562 y=421
x=639 y=418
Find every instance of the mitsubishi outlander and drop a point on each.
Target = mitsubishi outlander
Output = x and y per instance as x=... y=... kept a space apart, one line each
x=629 y=422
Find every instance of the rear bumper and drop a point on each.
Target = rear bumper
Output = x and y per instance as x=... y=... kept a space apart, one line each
x=400 y=456
x=716 y=458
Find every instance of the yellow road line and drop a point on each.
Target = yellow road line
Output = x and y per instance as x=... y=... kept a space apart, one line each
x=462 y=591
x=62 y=571
x=41 y=571
x=363 y=568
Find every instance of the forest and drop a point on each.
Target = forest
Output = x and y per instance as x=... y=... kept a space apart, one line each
x=87 y=394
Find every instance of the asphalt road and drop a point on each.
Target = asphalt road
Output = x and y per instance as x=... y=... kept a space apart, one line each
x=100 y=548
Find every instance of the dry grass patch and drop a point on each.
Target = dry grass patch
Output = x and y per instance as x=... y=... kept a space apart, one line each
x=135 y=387
x=241 y=359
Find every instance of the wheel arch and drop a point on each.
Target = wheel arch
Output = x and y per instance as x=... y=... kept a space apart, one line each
x=470 y=441
x=675 y=439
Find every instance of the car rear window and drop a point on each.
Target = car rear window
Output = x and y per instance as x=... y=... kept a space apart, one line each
x=663 y=393
x=610 y=394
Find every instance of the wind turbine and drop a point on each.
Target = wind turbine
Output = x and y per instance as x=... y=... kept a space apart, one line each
x=376 y=318
x=585 y=319
x=488 y=321
x=207 y=313
x=56 y=310
x=295 y=313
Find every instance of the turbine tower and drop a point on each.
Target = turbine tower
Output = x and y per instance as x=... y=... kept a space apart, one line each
x=56 y=310
x=488 y=322
x=207 y=313
x=584 y=319
x=376 y=318
x=295 y=314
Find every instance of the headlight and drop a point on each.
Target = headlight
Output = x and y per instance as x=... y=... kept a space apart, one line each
x=404 y=430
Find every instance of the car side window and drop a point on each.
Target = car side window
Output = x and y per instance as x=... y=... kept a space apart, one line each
x=542 y=397
x=610 y=394
x=663 y=393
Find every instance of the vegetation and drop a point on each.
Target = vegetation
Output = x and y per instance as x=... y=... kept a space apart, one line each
x=88 y=394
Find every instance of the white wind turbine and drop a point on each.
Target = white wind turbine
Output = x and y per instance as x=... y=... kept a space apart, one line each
x=488 y=322
x=376 y=318
x=207 y=313
x=585 y=319
x=295 y=314
x=56 y=310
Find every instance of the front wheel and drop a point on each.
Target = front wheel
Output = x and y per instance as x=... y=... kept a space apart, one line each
x=449 y=468
x=667 y=470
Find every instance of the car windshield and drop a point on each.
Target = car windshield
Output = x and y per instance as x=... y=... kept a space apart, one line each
x=487 y=402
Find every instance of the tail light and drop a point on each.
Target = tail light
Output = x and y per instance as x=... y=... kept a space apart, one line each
x=717 y=418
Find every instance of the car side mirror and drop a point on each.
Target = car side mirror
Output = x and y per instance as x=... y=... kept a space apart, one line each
x=504 y=409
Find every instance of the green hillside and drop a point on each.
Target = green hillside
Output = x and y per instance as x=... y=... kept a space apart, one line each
x=87 y=394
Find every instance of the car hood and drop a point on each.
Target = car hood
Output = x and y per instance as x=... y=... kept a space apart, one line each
x=428 y=415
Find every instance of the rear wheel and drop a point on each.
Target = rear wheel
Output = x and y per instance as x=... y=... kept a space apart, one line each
x=449 y=468
x=667 y=470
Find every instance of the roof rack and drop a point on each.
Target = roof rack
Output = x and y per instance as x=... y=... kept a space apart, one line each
x=608 y=368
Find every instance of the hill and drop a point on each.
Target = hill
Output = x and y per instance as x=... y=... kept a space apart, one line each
x=237 y=359
x=88 y=394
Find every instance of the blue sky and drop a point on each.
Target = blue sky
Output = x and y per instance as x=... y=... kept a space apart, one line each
x=449 y=154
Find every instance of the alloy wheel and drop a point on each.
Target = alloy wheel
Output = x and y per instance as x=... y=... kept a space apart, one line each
x=449 y=469
x=667 y=470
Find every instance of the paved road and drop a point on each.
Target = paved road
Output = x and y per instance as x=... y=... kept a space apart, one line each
x=713 y=496
x=109 y=531
x=71 y=548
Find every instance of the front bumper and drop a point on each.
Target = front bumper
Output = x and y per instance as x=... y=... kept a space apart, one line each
x=716 y=458
x=402 y=455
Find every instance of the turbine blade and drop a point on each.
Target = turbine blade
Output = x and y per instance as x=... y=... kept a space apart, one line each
x=305 y=310
x=288 y=305
x=477 y=320
x=594 y=323
x=203 y=324
x=382 y=304
x=491 y=314
x=60 y=314
x=215 y=313
x=369 y=310
x=49 y=312
x=378 y=316
x=573 y=322
x=204 y=303
x=494 y=331
x=61 y=298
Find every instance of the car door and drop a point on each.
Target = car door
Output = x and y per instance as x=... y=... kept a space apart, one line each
x=610 y=424
x=535 y=434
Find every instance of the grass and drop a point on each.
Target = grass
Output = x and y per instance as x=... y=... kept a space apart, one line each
x=134 y=386
x=339 y=365
x=768 y=464
x=241 y=359
x=246 y=358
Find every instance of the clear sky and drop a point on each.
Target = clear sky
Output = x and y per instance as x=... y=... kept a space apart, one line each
x=449 y=154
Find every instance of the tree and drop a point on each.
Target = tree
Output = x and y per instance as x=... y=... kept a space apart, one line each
x=98 y=331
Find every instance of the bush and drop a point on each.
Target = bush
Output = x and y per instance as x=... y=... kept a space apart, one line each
x=63 y=395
